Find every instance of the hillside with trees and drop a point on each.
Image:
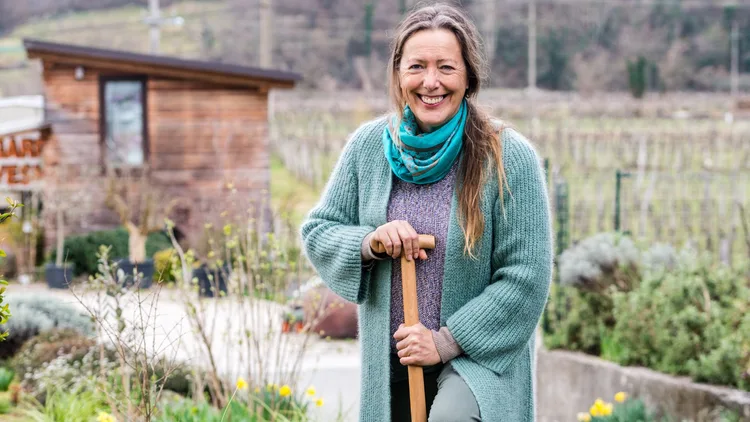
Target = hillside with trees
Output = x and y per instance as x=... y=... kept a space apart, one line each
x=587 y=46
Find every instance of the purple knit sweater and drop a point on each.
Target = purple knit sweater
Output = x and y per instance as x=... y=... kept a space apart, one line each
x=427 y=208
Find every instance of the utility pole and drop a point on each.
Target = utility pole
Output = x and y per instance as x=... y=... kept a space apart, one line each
x=369 y=12
x=266 y=33
x=735 y=58
x=489 y=29
x=531 y=71
x=155 y=22
x=532 y=46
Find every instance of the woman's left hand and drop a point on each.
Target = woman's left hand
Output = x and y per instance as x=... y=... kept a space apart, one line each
x=416 y=346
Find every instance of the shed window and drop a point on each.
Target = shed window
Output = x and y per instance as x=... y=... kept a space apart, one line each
x=124 y=122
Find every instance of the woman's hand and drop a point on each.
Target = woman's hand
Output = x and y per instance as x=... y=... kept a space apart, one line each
x=397 y=235
x=416 y=346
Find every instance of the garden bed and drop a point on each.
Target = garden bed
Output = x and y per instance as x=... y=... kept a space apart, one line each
x=568 y=382
x=668 y=327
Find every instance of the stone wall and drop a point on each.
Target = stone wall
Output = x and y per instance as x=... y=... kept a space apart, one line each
x=568 y=383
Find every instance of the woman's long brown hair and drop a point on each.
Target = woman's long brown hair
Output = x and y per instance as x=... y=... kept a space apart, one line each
x=481 y=143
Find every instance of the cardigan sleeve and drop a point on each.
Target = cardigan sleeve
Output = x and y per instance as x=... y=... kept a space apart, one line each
x=495 y=327
x=331 y=234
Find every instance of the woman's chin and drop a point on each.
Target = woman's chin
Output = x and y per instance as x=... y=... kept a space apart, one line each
x=430 y=121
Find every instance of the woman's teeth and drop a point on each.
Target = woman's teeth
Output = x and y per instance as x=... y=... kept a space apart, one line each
x=431 y=100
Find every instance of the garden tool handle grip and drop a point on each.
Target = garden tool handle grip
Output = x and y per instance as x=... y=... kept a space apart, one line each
x=426 y=241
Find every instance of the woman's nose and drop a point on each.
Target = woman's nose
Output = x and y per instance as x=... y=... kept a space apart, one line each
x=431 y=79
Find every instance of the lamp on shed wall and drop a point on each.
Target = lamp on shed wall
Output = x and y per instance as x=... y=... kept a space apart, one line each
x=79 y=73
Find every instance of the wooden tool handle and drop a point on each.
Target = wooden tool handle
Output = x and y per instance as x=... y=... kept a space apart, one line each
x=411 y=317
x=426 y=241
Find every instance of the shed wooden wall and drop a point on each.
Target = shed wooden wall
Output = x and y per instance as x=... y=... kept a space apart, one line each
x=201 y=137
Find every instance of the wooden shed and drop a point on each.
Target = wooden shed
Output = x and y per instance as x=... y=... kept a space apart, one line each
x=195 y=126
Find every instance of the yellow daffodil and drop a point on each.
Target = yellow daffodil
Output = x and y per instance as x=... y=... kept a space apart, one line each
x=621 y=397
x=584 y=417
x=285 y=391
x=241 y=384
x=600 y=408
x=319 y=402
x=257 y=390
x=310 y=391
x=194 y=410
x=105 y=417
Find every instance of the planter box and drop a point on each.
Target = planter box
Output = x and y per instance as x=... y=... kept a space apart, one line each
x=211 y=286
x=58 y=277
x=146 y=268
x=569 y=382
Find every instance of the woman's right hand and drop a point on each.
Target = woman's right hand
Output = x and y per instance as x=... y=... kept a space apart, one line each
x=397 y=235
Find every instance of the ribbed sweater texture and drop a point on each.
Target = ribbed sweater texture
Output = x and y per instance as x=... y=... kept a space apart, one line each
x=491 y=303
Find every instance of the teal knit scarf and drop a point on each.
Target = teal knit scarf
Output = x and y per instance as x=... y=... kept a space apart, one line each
x=424 y=158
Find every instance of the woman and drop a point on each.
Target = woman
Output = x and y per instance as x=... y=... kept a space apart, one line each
x=439 y=166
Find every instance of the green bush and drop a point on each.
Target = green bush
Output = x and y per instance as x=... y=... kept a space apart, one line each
x=81 y=250
x=637 y=77
x=186 y=410
x=578 y=322
x=163 y=265
x=264 y=405
x=589 y=273
x=676 y=313
x=68 y=405
x=6 y=377
x=49 y=345
x=694 y=321
x=5 y=406
x=33 y=314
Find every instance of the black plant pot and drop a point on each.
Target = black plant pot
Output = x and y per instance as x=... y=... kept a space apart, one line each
x=146 y=268
x=58 y=277
x=211 y=281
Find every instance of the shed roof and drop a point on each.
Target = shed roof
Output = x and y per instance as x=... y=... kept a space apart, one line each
x=215 y=72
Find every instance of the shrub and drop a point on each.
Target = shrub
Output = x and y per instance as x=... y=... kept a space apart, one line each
x=76 y=405
x=691 y=321
x=637 y=77
x=6 y=377
x=4 y=308
x=590 y=272
x=673 y=312
x=48 y=346
x=577 y=324
x=600 y=261
x=33 y=314
x=163 y=265
x=5 y=406
x=82 y=250
x=186 y=410
x=264 y=404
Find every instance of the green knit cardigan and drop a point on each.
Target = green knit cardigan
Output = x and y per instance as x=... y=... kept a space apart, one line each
x=491 y=303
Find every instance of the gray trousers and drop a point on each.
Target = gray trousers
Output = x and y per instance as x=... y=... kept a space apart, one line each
x=448 y=397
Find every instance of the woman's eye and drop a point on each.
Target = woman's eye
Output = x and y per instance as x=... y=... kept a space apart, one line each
x=446 y=67
x=415 y=66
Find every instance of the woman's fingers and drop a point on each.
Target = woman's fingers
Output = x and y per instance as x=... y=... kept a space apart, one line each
x=408 y=239
x=399 y=236
x=396 y=241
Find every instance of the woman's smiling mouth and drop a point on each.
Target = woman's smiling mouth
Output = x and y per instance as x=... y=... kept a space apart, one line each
x=431 y=100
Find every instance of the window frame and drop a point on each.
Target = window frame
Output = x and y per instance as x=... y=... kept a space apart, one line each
x=103 y=80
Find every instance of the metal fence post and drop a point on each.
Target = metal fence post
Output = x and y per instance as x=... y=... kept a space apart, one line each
x=561 y=205
x=618 y=185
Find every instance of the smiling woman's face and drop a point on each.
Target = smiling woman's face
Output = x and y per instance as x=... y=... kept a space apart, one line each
x=433 y=76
